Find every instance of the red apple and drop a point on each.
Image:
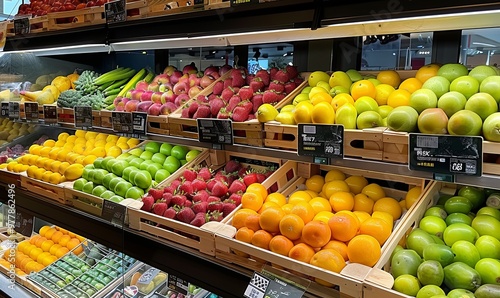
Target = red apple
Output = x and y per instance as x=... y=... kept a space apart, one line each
x=167 y=108
x=154 y=109
x=190 y=68
x=156 y=97
x=211 y=69
x=180 y=88
x=161 y=78
x=225 y=69
x=175 y=76
x=184 y=79
x=181 y=99
x=169 y=70
x=141 y=85
x=194 y=80
x=136 y=94
x=131 y=105
x=153 y=87
x=206 y=80
x=193 y=91
x=168 y=96
x=146 y=95
x=144 y=106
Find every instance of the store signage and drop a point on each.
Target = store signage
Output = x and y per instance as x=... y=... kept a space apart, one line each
x=446 y=154
x=215 y=131
x=139 y=120
x=178 y=284
x=31 y=111
x=22 y=26
x=114 y=212
x=49 y=114
x=122 y=122
x=14 y=110
x=5 y=110
x=322 y=141
x=83 y=116
x=265 y=284
x=115 y=11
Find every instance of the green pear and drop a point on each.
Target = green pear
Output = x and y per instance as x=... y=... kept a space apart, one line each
x=340 y=78
x=346 y=115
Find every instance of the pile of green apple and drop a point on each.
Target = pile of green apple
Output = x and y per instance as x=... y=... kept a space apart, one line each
x=454 y=252
x=132 y=173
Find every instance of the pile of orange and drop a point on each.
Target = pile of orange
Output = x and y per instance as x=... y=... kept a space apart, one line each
x=32 y=255
x=334 y=220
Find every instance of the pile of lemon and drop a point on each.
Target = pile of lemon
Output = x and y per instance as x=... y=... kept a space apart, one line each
x=64 y=159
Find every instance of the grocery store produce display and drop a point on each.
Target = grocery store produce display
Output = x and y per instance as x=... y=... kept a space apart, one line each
x=10 y=130
x=44 y=91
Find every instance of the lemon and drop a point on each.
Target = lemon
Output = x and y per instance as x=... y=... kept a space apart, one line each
x=100 y=152
x=46 y=176
x=101 y=136
x=71 y=139
x=55 y=178
x=122 y=145
x=285 y=117
x=303 y=112
x=54 y=167
x=80 y=133
x=90 y=135
x=412 y=196
x=132 y=142
x=266 y=112
x=73 y=172
x=113 y=151
x=112 y=138
x=63 y=166
x=49 y=143
x=63 y=136
x=59 y=144
x=323 y=113
x=383 y=92
x=89 y=159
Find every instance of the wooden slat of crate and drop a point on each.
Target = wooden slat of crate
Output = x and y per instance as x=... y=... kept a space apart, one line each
x=280 y=136
x=491 y=151
x=366 y=143
x=249 y=133
x=167 y=7
x=395 y=146
x=216 y=4
x=78 y=200
x=157 y=125
x=379 y=281
x=66 y=117
x=37 y=24
x=52 y=191
x=8 y=177
x=76 y=18
x=137 y=9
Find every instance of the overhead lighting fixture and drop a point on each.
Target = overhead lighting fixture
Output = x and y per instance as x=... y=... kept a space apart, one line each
x=483 y=44
x=77 y=49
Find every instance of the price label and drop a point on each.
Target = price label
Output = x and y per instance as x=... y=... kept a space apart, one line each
x=49 y=114
x=5 y=110
x=14 y=110
x=114 y=212
x=139 y=122
x=31 y=111
x=122 y=122
x=115 y=11
x=178 y=284
x=266 y=284
x=215 y=131
x=446 y=154
x=22 y=26
x=24 y=222
x=321 y=141
x=83 y=116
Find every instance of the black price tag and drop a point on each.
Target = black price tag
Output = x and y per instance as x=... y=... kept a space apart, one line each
x=5 y=110
x=14 y=110
x=114 y=212
x=22 y=26
x=446 y=154
x=24 y=223
x=31 y=111
x=321 y=141
x=83 y=116
x=269 y=285
x=178 y=284
x=215 y=131
x=115 y=11
x=49 y=114
x=122 y=121
x=240 y=2
x=139 y=120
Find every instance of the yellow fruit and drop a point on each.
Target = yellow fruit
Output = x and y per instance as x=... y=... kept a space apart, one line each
x=63 y=136
x=411 y=85
x=109 y=145
x=123 y=146
x=35 y=149
x=100 y=143
x=44 y=152
x=80 y=141
x=399 y=98
x=54 y=167
x=55 y=178
x=60 y=144
x=112 y=138
x=334 y=175
x=383 y=92
x=323 y=113
x=132 y=142
x=356 y=183
x=122 y=140
x=78 y=149
x=101 y=136
x=390 y=77
x=73 y=172
x=46 y=176
x=90 y=135
x=89 y=159
x=315 y=183
x=303 y=112
x=113 y=151
x=320 y=97
x=412 y=196
x=373 y=191
x=388 y=205
x=71 y=139
x=266 y=112
x=62 y=83
x=80 y=133
x=80 y=159
x=39 y=173
x=62 y=167
x=49 y=143
x=53 y=153
x=341 y=99
x=61 y=155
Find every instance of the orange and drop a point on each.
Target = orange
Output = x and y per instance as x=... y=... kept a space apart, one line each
x=313 y=194
x=324 y=216
x=363 y=203
x=30 y=267
x=320 y=204
x=56 y=236
x=280 y=245
x=22 y=245
x=42 y=256
x=270 y=219
x=399 y=97
x=257 y=188
x=48 y=233
x=35 y=252
x=377 y=228
x=24 y=262
x=426 y=72
x=390 y=77
x=342 y=200
x=361 y=215
x=334 y=174
x=364 y=249
x=385 y=216
x=316 y=233
x=252 y=201
x=315 y=183
x=301 y=252
x=329 y=259
x=72 y=243
x=383 y=92
x=343 y=226
x=267 y=205
x=402 y=203
x=356 y=183
x=412 y=196
x=291 y=226
x=64 y=240
x=334 y=186
x=39 y=241
x=34 y=238
x=261 y=239
x=341 y=99
x=320 y=97
x=299 y=196
x=411 y=85
x=244 y=234
x=46 y=245
x=27 y=249
x=363 y=88
x=43 y=230
x=373 y=191
x=252 y=222
x=388 y=205
x=54 y=249
x=339 y=246
x=78 y=250
x=304 y=210
x=277 y=198
x=287 y=208
x=61 y=252
x=48 y=260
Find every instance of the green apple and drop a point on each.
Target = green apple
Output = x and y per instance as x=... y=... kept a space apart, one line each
x=116 y=199
x=482 y=104
x=153 y=168
x=88 y=187
x=430 y=291
x=452 y=71
x=438 y=84
x=110 y=163
x=179 y=152
x=107 y=194
x=99 y=175
x=452 y=102
x=126 y=172
x=122 y=187
x=481 y=72
x=338 y=90
x=423 y=99
x=365 y=103
x=171 y=164
x=136 y=162
x=340 y=78
x=465 y=123
x=403 y=118
x=119 y=166
x=136 y=152
x=491 y=85
x=489 y=269
x=134 y=193
x=114 y=182
x=306 y=90
x=165 y=149
x=79 y=183
x=144 y=165
x=124 y=156
x=457 y=232
x=300 y=97
x=433 y=121
x=143 y=179
x=405 y=261
x=97 y=163
x=317 y=76
x=407 y=284
x=159 y=158
x=107 y=179
x=161 y=175
x=374 y=81
x=147 y=155
x=346 y=115
x=368 y=119
x=152 y=147
x=430 y=273
x=98 y=190
x=466 y=85
x=191 y=154
x=324 y=85
x=465 y=252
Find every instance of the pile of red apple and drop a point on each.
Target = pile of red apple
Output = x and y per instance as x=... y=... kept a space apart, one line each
x=201 y=195
x=168 y=90
x=43 y=7
x=239 y=96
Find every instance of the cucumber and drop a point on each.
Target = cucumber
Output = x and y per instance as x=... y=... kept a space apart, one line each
x=488 y=291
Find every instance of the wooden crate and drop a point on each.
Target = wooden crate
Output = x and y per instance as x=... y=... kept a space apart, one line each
x=157 y=125
x=491 y=160
x=51 y=191
x=84 y=201
x=136 y=9
x=168 y=7
x=395 y=146
x=76 y=18
x=379 y=281
x=8 y=177
x=105 y=119
x=37 y=24
x=216 y=4
x=66 y=117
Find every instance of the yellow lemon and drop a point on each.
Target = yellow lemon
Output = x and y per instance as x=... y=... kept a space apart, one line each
x=55 y=178
x=99 y=152
x=89 y=159
x=303 y=112
x=132 y=142
x=60 y=144
x=45 y=151
x=100 y=143
x=114 y=151
x=49 y=143
x=61 y=155
x=35 y=149
x=101 y=136
x=63 y=136
x=71 y=139
x=80 y=133
x=62 y=167
x=54 y=167
x=91 y=135
x=39 y=173
x=122 y=140
x=383 y=92
x=123 y=146
x=109 y=145
x=80 y=159
x=112 y=138
x=323 y=113
x=54 y=152
x=341 y=99
x=73 y=172
x=80 y=141
x=46 y=176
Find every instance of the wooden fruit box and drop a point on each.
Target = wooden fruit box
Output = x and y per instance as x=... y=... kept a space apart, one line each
x=105 y=118
x=403 y=74
x=76 y=18
x=215 y=4
x=66 y=117
x=379 y=281
x=136 y=9
x=37 y=24
x=395 y=146
x=20 y=279
x=54 y=192
x=491 y=160
x=8 y=177
x=350 y=279
x=157 y=125
x=168 y=230
x=168 y=7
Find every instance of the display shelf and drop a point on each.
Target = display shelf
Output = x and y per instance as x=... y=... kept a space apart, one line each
x=17 y=291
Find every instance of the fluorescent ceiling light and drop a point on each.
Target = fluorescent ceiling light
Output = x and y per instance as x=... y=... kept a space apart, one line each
x=78 y=49
x=483 y=44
